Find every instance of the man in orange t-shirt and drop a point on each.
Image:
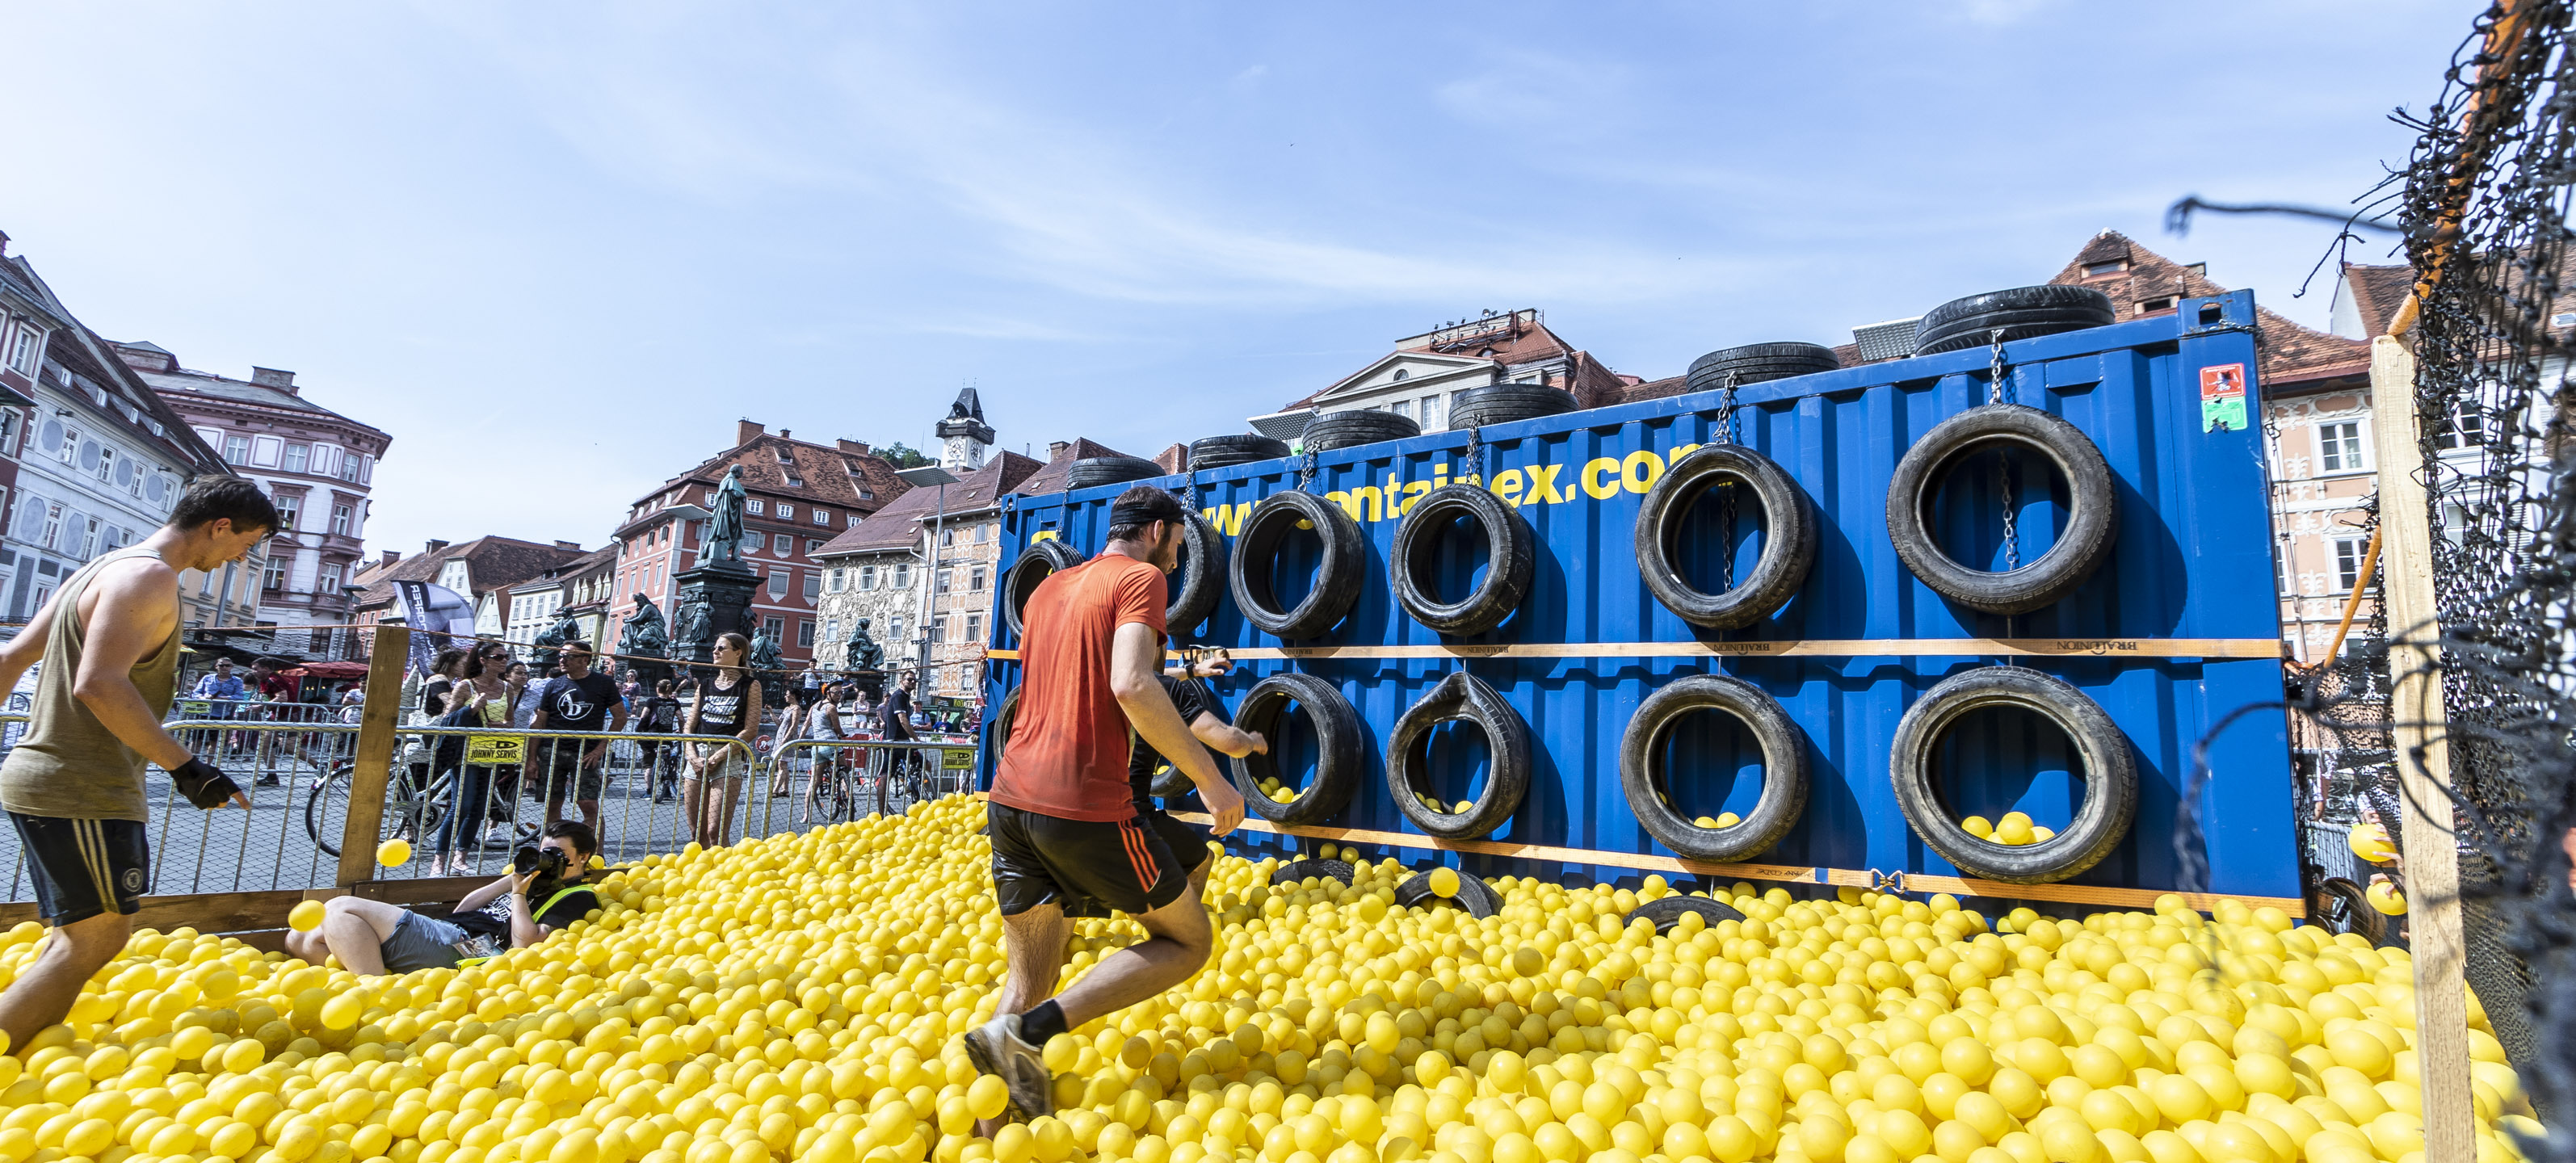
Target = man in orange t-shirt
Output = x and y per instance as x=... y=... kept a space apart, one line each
x=1069 y=837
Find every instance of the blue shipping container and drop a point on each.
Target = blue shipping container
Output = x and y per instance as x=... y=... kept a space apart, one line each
x=2192 y=560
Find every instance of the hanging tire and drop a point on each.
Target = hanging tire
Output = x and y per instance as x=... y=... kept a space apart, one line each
x=1110 y=470
x=2090 y=525
x=1233 y=449
x=1461 y=696
x=2022 y=313
x=1756 y=362
x=1004 y=716
x=1352 y=429
x=1337 y=580
x=1474 y=895
x=1511 y=559
x=1203 y=555
x=1644 y=777
x=1503 y=403
x=1666 y=912
x=2110 y=775
x=1038 y=560
x=1168 y=782
x=1337 y=747
x=1787 y=553
x=1298 y=870
x=2342 y=905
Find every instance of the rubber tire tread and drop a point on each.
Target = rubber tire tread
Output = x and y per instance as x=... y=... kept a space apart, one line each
x=1352 y=429
x=1504 y=403
x=1005 y=714
x=1757 y=362
x=1297 y=870
x=2092 y=525
x=1110 y=470
x=1035 y=562
x=1785 y=769
x=2110 y=775
x=1337 y=747
x=1475 y=896
x=1952 y=315
x=1511 y=554
x=1337 y=581
x=1169 y=783
x=1203 y=586
x=1788 y=552
x=1460 y=696
x=1235 y=448
x=1666 y=912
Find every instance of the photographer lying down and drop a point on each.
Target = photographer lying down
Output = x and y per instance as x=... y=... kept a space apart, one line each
x=546 y=890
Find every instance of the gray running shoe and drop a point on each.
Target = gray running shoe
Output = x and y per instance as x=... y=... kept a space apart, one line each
x=997 y=1049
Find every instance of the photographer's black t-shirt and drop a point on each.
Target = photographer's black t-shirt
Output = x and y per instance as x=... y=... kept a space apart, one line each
x=494 y=919
x=1192 y=700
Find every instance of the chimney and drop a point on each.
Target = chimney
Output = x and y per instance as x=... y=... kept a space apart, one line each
x=4 y=244
x=746 y=431
x=432 y=546
x=1055 y=449
x=392 y=556
x=269 y=377
x=784 y=434
x=568 y=546
x=853 y=447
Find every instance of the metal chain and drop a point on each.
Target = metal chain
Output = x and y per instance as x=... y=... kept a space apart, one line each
x=1997 y=380
x=1726 y=489
x=1726 y=409
x=1475 y=458
x=1306 y=471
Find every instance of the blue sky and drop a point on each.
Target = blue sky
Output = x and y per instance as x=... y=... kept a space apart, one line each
x=557 y=249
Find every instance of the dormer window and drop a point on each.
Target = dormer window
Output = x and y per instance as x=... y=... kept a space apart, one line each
x=2098 y=269
x=1401 y=374
x=2151 y=306
x=786 y=455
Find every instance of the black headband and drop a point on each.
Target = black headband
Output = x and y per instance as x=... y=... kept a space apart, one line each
x=1121 y=516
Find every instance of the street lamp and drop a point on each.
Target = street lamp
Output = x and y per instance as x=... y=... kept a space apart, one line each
x=929 y=476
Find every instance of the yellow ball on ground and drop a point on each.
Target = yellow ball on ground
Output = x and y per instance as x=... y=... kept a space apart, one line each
x=1444 y=881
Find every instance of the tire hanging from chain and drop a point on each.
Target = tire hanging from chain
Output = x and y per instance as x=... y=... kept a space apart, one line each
x=1459 y=697
x=1511 y=553
x=1264 y=711
x=1338 y=577
x=2109 y=769
x=1646 y=778
x=1788 y=550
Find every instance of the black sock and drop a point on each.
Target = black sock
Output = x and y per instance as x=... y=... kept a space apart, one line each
x=1042 y=1023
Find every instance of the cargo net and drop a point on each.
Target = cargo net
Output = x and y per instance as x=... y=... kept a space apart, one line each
x=2485 y=202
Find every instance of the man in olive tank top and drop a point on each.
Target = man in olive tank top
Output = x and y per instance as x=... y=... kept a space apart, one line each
x=73 y=787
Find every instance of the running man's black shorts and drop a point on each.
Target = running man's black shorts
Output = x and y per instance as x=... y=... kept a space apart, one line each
x=83 y=868
x=1088 y=866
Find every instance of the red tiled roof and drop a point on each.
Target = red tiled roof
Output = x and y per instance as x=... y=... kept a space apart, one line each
x=2290 y=354
x=897 y=524
x=1529 y=342
x=494 y=562
x=824 y=470
x=1174 y=459
x=2377 y=292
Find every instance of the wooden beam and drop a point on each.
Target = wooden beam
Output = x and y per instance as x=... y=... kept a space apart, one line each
x=1792 y=648
x=2136 y=898
x=2418 y=737
x=386 y=661
x=213 y=912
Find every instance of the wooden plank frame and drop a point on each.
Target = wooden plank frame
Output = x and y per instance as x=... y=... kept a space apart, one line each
x=2081 y=894
x=1792 y=648
x=376 y=729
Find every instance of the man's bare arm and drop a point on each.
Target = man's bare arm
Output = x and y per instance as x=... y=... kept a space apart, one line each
x=28 y=647
x=1227 y=738
x=135 y=605
x=1135 y=658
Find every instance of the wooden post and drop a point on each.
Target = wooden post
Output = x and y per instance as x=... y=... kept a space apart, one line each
x=376 y=723
x=2432 y=861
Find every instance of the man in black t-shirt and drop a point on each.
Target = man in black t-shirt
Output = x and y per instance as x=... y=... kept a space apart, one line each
x=372 y=937
x=579 y=699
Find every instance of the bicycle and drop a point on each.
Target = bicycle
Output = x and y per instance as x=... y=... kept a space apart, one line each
x=412 y=813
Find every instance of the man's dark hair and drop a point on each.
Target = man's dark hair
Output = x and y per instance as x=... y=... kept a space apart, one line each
x=579 y=833
x=215 y=498
x=580 y=645
x=663 y=687
x=270 y=663
x=1141 y=506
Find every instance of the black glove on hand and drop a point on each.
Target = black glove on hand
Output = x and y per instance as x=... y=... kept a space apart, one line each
x=204 y=784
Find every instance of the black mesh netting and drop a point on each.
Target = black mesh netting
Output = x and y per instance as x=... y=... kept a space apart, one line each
x=2484 y=200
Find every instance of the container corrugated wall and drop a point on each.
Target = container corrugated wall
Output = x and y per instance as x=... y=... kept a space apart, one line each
x=2192 y=560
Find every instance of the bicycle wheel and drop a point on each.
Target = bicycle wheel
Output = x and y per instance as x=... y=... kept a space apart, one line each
x=894 y=792
x=405 y=816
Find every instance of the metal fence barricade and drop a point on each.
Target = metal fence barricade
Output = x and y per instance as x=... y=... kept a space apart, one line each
x=829 y=781
x=506 y=776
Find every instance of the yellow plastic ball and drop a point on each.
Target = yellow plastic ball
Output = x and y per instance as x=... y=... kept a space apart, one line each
x=393 y=853
x=305 y=917
x=1444 y=882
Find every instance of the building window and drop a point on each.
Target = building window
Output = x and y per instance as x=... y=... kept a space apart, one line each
x=1402 y=408
x=2113 y=267
x=938 y=628
x=296 y=457
x=894 y=629
x=974 y=628
x=902 y=576
x=980 y=530
x=2159 y=303
x=2463 y=426
x=2348 y=553
x=23 y=344
x=273 y=575
x=70 y=450
x=1430 y=411
x=327 y=581
x=340 y=517
x=805 y=633
x=975 y=579
x=349 y=468
x=53 y=524
x=832 y=582
x=786 y=512
x=940 y=584
x=854 y=518
x=751 y=504
x=286 y=510
x=236 y=450
x=822 y=516
x=777 y=584
x=947 y=537
x=813 y=545
x=1401 y=374
x=831 y=629
x=107 y=464
x=89 y=539
x=775 y=628
x=2339 y=447
x=784 y=545
x=867 y=578
x=813 y=586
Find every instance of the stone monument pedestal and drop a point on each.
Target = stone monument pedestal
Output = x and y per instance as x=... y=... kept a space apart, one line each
x=714 y=599
x=870 y=683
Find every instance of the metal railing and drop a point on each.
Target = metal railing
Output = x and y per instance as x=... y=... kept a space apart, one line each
x=299 y=774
